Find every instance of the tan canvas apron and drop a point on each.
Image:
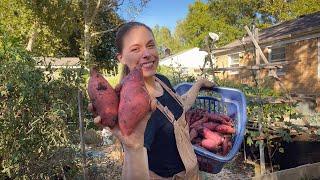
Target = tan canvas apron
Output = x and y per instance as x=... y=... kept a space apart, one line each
x=181 y=132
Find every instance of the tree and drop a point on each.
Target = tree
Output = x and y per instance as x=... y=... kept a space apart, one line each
x=67 y=28
x=194 y=29
x=229 y=22
x=280 y=10
x=165 y=40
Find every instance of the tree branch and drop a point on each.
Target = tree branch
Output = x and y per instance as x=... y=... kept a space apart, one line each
x=95 y=12
x=106 y=31
x=102 y=32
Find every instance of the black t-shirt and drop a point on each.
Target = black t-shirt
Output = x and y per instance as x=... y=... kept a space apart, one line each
x=159 y=139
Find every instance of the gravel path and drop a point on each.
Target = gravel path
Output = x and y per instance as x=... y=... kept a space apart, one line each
x=108 y=166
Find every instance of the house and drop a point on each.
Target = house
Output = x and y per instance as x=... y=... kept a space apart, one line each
x=190 y=61
x=58 y=63
x=294 y=44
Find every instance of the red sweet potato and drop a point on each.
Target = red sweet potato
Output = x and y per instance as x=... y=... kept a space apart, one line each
x=188 y=116
x=213 y=136
x=196 y=141
x=104 y=98
x=226 y=118
x=210 y=144
x=225 y=129
x=193 y=134
x=219 y=119
x=210 y=125
x=134 y=101
x=226 y=146
x=199 y=122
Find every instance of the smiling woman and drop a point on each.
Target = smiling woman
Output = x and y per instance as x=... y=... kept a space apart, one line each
x=137 y=46
x=159 y=147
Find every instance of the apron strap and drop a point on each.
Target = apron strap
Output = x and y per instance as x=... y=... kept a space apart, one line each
x=165 y=110
x=174 y=95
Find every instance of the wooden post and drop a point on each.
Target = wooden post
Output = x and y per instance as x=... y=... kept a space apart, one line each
x=258 y=74
x=256 y=45
x=83 y=152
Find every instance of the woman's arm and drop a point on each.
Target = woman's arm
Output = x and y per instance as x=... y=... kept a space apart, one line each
x=135 y=154
x=189 y=97
x=135 y=164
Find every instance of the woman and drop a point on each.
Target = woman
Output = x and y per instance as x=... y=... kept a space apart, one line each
x=159 y=147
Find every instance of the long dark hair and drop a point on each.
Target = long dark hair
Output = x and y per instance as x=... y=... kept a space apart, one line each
x=122 y=31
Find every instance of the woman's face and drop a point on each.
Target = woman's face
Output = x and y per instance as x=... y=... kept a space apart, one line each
x=139 y=47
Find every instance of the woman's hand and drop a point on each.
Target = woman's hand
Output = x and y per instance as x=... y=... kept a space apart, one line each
x=136 y=139
x=190 y=97
x=205 y=83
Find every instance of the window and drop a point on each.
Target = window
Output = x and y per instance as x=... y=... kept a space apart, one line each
x=234 y=60
x=278 y=55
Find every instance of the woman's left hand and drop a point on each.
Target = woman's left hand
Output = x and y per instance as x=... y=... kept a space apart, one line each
x=205 y=83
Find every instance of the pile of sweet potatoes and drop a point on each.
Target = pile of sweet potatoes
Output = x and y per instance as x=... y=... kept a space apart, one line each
x=125 y=105
x=211 y=131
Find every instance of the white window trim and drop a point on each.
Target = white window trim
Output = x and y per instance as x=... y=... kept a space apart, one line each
x=230 y=62
x=279 y=73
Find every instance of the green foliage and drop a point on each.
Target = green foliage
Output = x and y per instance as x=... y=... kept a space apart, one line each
x=165 y=39
x=265 y=113
x=194 y=29
x=103 y=48
x=228 y=18
x=38 y=116
x=175 y=75
x=58 y=28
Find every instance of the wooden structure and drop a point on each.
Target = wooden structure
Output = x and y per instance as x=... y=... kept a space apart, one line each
x=293 y=46
x=308 y=171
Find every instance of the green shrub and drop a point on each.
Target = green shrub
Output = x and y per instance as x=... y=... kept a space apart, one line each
x=38 y=116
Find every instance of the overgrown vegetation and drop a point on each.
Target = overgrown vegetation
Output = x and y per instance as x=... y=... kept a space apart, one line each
x=274 y=118
x=38 y=115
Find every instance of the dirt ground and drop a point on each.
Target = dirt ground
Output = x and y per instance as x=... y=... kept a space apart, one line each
x=105 y=163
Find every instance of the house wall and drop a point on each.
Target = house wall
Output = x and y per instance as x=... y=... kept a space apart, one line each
x=301 y=75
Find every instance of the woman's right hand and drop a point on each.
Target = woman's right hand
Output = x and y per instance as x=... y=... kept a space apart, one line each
x=136 y=139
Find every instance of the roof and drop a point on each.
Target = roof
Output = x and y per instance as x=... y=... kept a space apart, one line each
x=62 y=62
x=181 y=52
x=302 y=25
x=191 y=58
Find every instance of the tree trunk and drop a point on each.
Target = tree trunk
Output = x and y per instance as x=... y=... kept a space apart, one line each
x=86 y=32
x=32 y=37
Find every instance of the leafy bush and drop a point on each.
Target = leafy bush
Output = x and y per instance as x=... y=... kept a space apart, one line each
x=175 y=75
x=38 y=116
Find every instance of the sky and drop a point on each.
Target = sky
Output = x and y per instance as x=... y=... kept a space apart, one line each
x=161 y=12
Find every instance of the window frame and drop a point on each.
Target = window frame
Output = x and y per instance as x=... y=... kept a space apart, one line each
x=280 y=72
x=231 y=63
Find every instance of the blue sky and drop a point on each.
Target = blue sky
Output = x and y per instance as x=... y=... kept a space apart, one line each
x=162 y=12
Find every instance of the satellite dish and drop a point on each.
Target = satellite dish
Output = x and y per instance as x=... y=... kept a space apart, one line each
x=214 y=36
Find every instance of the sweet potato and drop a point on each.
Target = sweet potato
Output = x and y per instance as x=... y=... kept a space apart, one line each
x=213 y=136
x=210 y=144
x=188 y=116
x=226 y=146
x=104 y=98
x=196 y=141
x=134 y=101
x=199 y=122
x=210 y=125
x=225 y=129
x=219 y=119
x=193 y=134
